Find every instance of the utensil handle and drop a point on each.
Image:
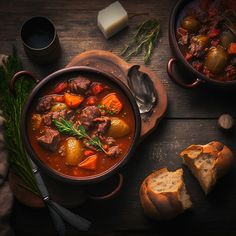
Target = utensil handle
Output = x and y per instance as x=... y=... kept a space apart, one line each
x=112 y=193
x=177 y=81
x=19 y=75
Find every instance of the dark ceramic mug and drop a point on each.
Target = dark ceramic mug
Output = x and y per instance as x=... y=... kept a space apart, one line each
x=40 y=40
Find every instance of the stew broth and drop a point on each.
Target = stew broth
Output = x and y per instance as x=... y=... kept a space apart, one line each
x=94 y=93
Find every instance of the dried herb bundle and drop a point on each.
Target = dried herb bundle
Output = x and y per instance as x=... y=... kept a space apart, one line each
x=145 y=38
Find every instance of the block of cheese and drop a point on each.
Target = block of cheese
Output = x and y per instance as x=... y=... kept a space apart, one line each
x=112 y=19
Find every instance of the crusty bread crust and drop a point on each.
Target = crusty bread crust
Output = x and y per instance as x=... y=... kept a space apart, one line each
x=223 y=159
x=165 y=205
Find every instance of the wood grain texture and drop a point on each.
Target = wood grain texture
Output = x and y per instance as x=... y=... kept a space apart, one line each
x=191 y=118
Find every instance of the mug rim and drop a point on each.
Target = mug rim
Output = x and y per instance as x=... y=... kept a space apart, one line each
x=51 y=42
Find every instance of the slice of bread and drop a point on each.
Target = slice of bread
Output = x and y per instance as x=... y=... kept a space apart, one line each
x=163 y=194
x=208 y=162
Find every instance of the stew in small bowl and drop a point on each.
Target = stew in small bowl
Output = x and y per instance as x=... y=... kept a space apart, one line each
x=80 y=124
x=203 y=37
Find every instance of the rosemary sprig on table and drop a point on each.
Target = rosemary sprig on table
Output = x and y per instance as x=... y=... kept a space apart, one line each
x=12 y=107
x=67 y=127
x=145 y=38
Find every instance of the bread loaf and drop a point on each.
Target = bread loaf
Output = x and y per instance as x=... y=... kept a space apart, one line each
x=208 y=162
x=163 y=194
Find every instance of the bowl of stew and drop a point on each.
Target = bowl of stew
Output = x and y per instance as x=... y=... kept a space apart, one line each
x=80 y=125
x=202 y=35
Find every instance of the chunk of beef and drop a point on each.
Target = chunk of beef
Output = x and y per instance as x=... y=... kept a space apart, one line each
x=45 y=103
x=87 y=116
x=50 y=139
x=47 y=118
x=110 y=141
x=79 y=85
x=59 y=114
x=114 y=151
x=88 y=145
x=104 y=124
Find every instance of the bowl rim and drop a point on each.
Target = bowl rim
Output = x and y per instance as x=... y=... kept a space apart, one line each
x=93 y=178
x=174 y=16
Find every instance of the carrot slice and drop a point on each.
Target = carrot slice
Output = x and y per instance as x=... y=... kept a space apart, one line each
x=59 y=99
x=90 y=163
x=60 y=87
x=232 y=48
x=92 y=100
x=112 y=103
x=73 y=101
x=88 y=153
x=97 y=88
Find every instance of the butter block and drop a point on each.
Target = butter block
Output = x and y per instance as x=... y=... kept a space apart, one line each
x=112 y=19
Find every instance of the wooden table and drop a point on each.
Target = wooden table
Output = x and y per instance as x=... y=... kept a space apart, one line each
x=191 y=118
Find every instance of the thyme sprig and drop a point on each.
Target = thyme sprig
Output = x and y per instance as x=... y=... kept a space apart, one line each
x=145 y=38
x=67 y=127
x=12 y=107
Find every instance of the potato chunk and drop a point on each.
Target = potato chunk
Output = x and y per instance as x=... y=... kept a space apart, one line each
x=36 y=121
x=118 y=128
x=74 y=151
x=59 y=107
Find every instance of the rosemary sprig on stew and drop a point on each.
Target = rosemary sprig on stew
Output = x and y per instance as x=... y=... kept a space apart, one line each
x=145 y=38
x=12 y=108
x=67 y=127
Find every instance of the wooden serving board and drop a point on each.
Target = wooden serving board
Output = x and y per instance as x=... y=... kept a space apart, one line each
x=116 y=66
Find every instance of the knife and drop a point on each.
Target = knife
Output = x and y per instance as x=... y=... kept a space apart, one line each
x=59 y=214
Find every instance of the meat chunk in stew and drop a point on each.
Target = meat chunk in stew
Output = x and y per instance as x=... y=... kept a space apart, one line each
x=50 y=139
x=45 y=104
x=79 y=85
x=65 y=114
x=114 y=151
x=88 y=115
x=104 y=124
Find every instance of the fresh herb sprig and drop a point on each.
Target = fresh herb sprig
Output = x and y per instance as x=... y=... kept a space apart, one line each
x=67 y=127
x=145 y=38
x=12 y=107
x=107 y=110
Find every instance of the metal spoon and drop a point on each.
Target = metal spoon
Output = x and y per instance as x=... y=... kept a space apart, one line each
x=142 y=88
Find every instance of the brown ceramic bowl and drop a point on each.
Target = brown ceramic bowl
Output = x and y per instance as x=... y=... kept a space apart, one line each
x=177 y=14
x=60 y=75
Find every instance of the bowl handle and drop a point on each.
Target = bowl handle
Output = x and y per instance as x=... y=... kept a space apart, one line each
x=173 y=78
x=112 y=193
x=18 y=76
